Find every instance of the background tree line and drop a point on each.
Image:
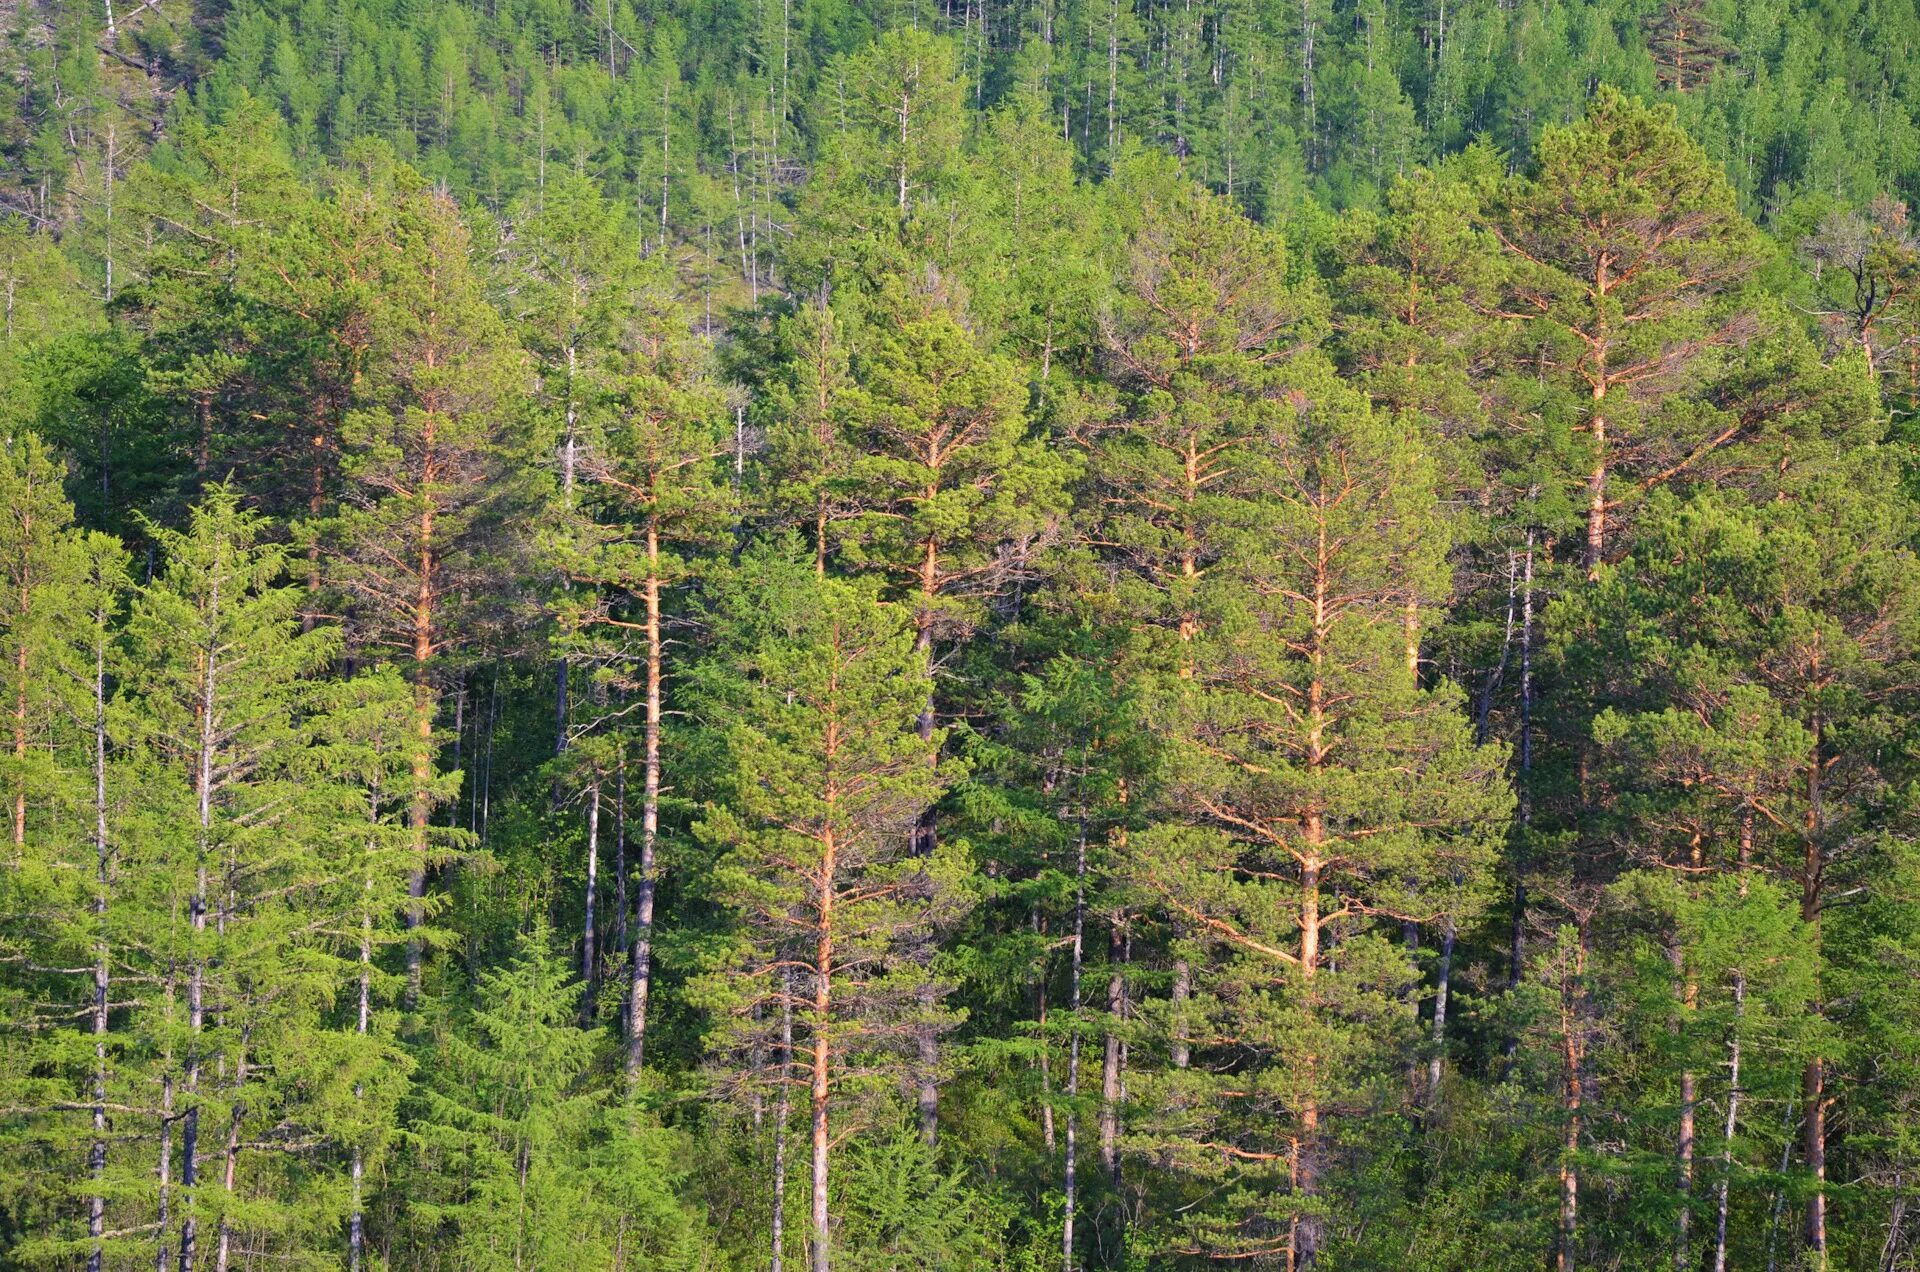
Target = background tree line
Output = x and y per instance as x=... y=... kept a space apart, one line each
x=743 y=640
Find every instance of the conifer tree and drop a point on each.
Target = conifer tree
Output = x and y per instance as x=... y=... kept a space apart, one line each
x=825 y=780
x=507 y=1139
x=224 y=690
x=1330 y=792
x=66 y=587
x=1795 y=614
x=1629 y=249
x=426 y=460
x=653 y=494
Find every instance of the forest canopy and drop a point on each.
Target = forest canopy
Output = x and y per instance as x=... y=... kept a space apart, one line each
x=1062 y=635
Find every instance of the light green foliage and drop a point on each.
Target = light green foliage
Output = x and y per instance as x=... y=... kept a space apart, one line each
x=1295 y=626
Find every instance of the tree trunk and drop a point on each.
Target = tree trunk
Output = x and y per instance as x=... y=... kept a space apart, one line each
x=165 y=1172
x=1597 y=478
x=1733 y=1066
x=649 y=818
x=230 y=1176
x=1110 y=1062
x=589 y=955
x=1048 y=1136
x=356 y=1220
x=1684 y=1147
x=1303 y=1244
x=1573 y=1054
x=1732 y=1122
x=20 y=714
x=97 y=1150
x=1443 y=984
x=1814 y=1095
x=1070 y=1184
x=196 y=976
x=1523 y=805
x=927 y=1041
x=1814 y=1080
x=419 y=806
x=781 y=1111
x=620 y=855
x=822 y=1014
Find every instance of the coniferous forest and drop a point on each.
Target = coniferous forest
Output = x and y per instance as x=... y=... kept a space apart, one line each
x=794 y=635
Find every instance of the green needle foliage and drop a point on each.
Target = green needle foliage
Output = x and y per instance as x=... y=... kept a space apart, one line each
x=1054 y=635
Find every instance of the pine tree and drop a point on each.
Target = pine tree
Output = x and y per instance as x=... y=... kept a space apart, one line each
x=653 y=494
x=427 y=460
x=825 y=780
x=1330 y=792
x=1785 y=625
x=1629 y=253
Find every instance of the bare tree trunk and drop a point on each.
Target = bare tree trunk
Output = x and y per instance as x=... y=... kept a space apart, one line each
x=196 y=977
x=822 y=1015
x=649 y=818
x=420 y=804
x=230 y=1176
x=1597 y=479
x=1111 y=1061
x=1048 y=1135
x=589 y=955
x=1786 y=1159
x=1303 y=1244
x=1733 y=1066
x=1727 y=1131
x=1517 y=966
x=1814 y=1081
x=1573 y=1045
x=1814 y=1095
x=927 y=1041
x=356 y=1221
x=165 y=1172
x=1443 y=984
x=781 y=1111
x=620 y=855
x=97 y=1150
x=1070 y=1181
